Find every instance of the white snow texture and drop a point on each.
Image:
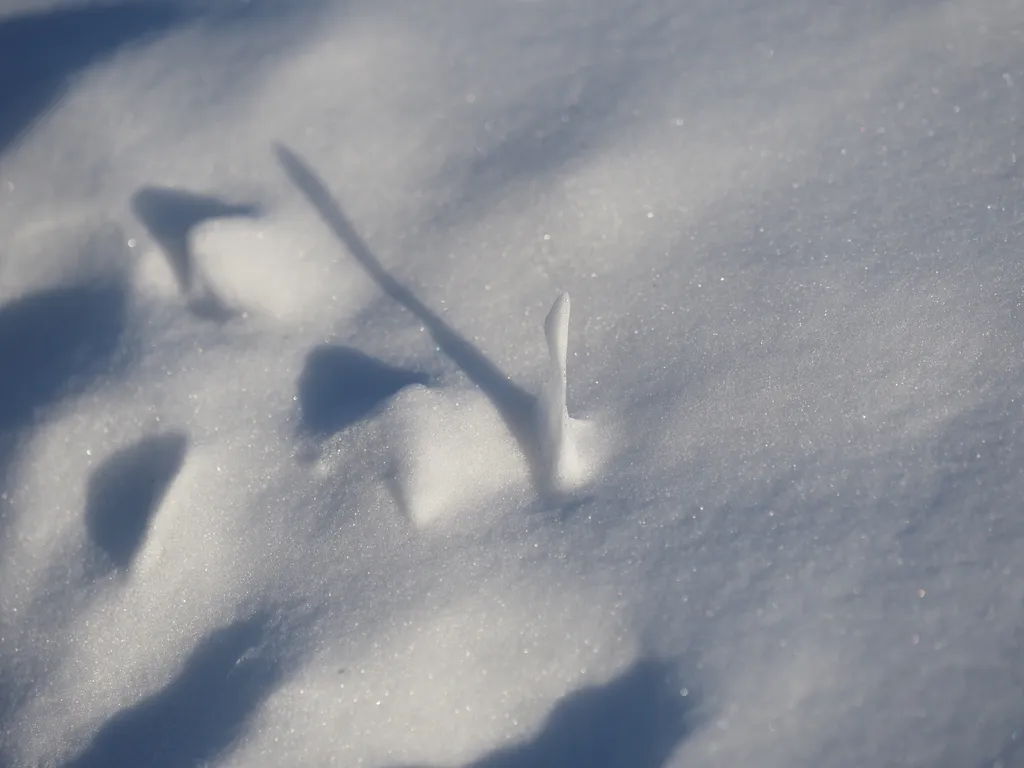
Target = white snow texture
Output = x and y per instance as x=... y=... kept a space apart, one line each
x=302 y=462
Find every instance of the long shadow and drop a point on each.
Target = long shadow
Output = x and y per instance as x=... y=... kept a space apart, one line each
x=126 y=490
x=516 y=406
x=41 y=51
x=169 y=216
x=635 y=721
x=199 y=714
x=340 y=386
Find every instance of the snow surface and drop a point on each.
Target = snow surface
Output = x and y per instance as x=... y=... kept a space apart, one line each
x=284 y=474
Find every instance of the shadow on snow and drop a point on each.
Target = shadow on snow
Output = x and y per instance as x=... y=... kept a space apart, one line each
x=125 y=492
x=516 y=406
x=636 y=720
x=340 y=386
x=41 y=51
x=170 y=215
x=200 y=713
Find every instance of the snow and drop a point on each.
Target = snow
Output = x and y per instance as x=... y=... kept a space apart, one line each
x=304 y=462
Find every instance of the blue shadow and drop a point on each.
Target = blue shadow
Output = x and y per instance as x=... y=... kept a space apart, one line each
x=340 y=386
x=40 y=52
x=125 y=491
x=53 y=343
x=636 y=720
x=199 y=714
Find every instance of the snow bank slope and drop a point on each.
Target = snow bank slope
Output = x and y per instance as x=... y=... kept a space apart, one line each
x=288 y=471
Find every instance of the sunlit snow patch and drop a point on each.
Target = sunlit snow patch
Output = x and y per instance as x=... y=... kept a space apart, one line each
x=257 y=268
x=570 y=449
x=457 y=452
x=454 y=452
